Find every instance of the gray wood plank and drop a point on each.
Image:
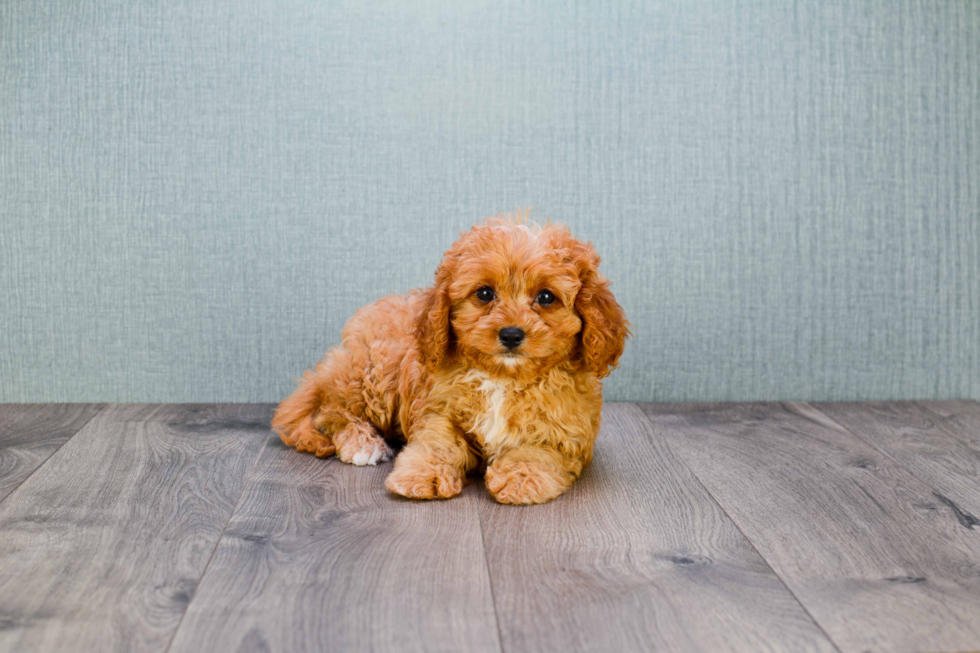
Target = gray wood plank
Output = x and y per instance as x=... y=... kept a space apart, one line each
x=636 y=557
x=917 y=438
x=102 y=547
x=30 y=433
x=961 y=417
x=875 y=557
x=319 y=556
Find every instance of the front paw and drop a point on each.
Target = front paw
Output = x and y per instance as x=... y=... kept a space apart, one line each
x=525 y=482
x=420 y=479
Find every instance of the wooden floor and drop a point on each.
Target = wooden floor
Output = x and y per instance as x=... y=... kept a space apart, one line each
x=698 y=527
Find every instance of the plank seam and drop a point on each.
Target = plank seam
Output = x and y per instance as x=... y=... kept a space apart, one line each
x=217 y=543
x=486 y=564
x=782 y=581
x=56 y=450
x=869 y=442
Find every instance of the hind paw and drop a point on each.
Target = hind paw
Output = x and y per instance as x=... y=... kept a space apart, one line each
x=359 y=444
x=308 y=439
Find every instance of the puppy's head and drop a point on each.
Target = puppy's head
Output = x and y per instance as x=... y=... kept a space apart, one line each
x=515 y=299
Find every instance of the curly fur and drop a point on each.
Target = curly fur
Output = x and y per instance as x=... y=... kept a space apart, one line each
x=428 y=368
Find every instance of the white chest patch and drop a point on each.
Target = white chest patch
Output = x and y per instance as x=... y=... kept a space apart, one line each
x=491 y=424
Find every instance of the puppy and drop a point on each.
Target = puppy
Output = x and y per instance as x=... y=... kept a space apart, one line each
x=496 y=367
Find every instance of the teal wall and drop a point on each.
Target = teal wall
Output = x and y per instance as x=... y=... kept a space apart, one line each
x=195 y=196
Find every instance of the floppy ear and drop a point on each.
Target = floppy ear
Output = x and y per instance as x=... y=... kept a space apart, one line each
x=432 y=329
x=604 y=329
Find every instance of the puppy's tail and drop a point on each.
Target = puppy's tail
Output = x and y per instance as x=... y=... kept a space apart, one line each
x=294 y=419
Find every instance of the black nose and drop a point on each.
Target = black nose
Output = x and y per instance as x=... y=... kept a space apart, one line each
x=511 y=336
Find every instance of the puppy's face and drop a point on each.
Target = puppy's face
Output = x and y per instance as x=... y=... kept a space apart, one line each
x=513 y=297
x=521 y=299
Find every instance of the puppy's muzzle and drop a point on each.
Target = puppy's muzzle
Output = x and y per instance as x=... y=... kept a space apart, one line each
x=511 y=337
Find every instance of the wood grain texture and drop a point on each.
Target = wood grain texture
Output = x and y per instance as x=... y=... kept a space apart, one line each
x=946 y=457
x=101 y=549
x=875 y=557
x=961 y=417
x=319 y=556
x=636 y=557
x=30 y=433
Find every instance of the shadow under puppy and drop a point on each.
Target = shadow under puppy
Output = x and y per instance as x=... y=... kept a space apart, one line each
x=496 y=366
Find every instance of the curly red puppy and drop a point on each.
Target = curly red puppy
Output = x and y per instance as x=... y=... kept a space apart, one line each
x=498 y=365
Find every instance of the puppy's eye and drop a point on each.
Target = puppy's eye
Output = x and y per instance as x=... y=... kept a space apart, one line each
x=545 y=298
x=485 y=294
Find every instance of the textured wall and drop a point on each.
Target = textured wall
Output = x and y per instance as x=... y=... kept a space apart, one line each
x=195 y=195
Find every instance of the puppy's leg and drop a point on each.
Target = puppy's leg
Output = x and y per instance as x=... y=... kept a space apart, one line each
x=434 y=463
x=531 y=474
x=328 y=414
x=295 y=418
